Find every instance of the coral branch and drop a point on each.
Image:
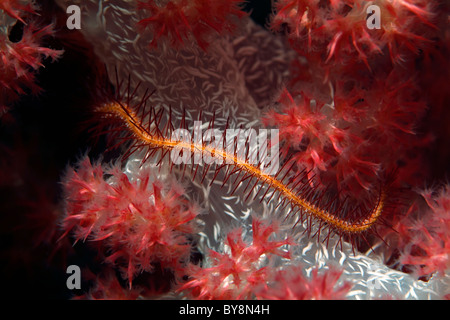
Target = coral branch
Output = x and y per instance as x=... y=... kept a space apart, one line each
x=236 y=275
x=14 y=8
x=20 y=60
x=291 y=284
x=139 y=222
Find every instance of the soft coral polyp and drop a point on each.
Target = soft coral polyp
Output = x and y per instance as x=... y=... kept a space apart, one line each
x=178 y=20
x=291 y=284
x=20 y=60
x=339 y=29
x=15 y=8
x=235 y=275
x=139 y=222
x=424 y=233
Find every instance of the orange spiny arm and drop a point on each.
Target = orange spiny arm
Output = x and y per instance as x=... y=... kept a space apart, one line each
x=132 y=121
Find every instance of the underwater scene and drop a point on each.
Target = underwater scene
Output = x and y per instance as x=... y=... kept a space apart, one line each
x=225 y=150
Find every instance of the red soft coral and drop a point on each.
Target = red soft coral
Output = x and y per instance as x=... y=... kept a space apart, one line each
x=236 y=274
x=301 y=16
x=304 y=126
x=140 y=222
x=344 y=143
x=180 y=19
x=424 y=233
x=407 y=27
x=291 y=284
x=20 y=61
x=340 y=28
x=321 y=141
x=14 y=8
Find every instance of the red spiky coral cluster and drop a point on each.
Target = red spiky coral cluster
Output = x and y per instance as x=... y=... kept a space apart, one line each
x=235 y=275
x=21 y=59
x=422 y=237
x=344 y=143
x=249 y=271
x=354 y=92
x=336 y=31
x=15 y=8
x=136 y=222
x=291 y=284
x=178 y=20
x=321 y=146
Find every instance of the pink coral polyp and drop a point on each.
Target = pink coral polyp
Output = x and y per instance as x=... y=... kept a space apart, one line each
x=424 y=233
x=140 y=222
x=321 y=142
x=291 y=284
x=178 y=20
x=237 y=274
x=20 y=60
x=339 y=28
x=14 y=8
